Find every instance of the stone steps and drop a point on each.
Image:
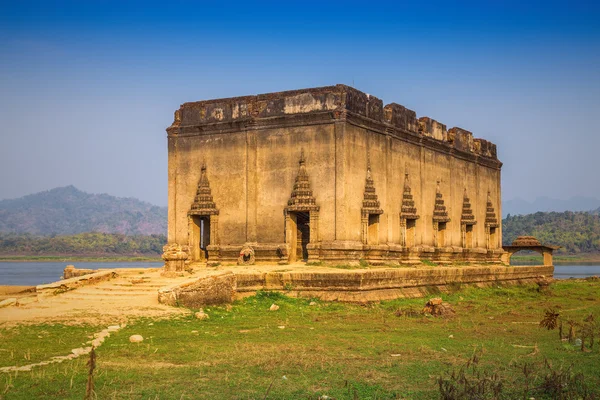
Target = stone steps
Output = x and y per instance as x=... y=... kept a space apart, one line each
x=142 y=285
x=106 y=299
x=120 y=288
x=111 y=292
x=128 y=287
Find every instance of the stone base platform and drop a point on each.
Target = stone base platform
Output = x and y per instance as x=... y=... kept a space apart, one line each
x=333 y=284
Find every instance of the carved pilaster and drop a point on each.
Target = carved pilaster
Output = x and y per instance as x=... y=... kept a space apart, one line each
x=402 y=231
x=440 y=216
x=301 y=201
x=467 y=219
x=314 y=226
x=370 y=205
x=203 y=208
x=364 y=223
x=408 y=211
x=491 y=224
x=214 y=230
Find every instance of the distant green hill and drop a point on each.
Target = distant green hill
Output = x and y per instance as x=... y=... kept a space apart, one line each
x=576 y=232
x=68 y=211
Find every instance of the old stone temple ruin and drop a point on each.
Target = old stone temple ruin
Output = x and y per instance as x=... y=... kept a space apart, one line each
x=327 y=174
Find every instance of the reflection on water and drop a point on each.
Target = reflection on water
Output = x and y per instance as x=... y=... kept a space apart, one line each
x=37 y=273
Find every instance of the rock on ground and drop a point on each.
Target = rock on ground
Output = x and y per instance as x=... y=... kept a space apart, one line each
x=438 y=308
x=202 y=315
x=136 y=338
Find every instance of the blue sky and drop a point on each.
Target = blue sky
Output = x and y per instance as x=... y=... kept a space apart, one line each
x=88 y=87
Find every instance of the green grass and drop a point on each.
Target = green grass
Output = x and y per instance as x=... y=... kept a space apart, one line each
x=344 y=351
x=429 y=263
x=22 y=345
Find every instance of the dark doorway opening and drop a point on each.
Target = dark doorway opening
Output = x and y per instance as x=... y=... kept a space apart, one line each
x=441 y=234
x=468 y=236
x=303 y=235
x=410 y=232
x=493 y=239
x=373 y=229
x=201 y=238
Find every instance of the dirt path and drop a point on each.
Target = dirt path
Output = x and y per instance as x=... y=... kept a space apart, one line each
x=132 y=294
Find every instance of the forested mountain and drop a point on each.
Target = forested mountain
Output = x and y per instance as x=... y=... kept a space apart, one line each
x=67 y=211
x=83 y=244
x=576 y=232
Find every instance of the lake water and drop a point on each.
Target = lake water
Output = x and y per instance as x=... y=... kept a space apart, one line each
x=37 y=273
x=566 y=271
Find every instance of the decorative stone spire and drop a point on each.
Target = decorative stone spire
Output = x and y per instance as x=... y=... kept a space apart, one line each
x=439 y=211
x=490 y=213
x=408 y=210
x=203 y=202
x=302 y=197
x=467 y=216
x=370 y=203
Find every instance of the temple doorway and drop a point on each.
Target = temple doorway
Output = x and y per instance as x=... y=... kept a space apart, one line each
x=468 y=236
x=201 y=238
x=299 y=235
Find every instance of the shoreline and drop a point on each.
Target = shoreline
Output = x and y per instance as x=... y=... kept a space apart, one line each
x=78 y=259
x=583 y=258
x=528 y=259
x=561 y=259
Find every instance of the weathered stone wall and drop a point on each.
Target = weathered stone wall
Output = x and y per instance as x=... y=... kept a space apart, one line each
x=251 y=147
x=343 y=285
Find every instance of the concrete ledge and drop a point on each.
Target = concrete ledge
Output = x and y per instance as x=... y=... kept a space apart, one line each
x=66 y=285
x=352 y=286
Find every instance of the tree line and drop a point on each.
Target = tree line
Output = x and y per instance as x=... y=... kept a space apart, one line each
x=92 y=243
x=576 y=232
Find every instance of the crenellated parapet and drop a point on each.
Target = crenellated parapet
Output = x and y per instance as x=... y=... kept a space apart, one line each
x=326 y=105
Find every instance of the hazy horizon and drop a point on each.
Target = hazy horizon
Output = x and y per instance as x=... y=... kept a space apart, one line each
x=516 y=199
x=87 y=89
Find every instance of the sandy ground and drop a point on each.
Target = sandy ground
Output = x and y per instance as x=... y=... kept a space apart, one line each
x=132 y=294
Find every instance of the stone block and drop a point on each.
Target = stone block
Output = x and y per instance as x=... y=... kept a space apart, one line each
x=356 y=101
x=431 y=128
x=401 y=117
x=375 y=108
x=461 y=139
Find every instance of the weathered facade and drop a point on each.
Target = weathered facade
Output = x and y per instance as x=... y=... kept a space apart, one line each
x=327 y=174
